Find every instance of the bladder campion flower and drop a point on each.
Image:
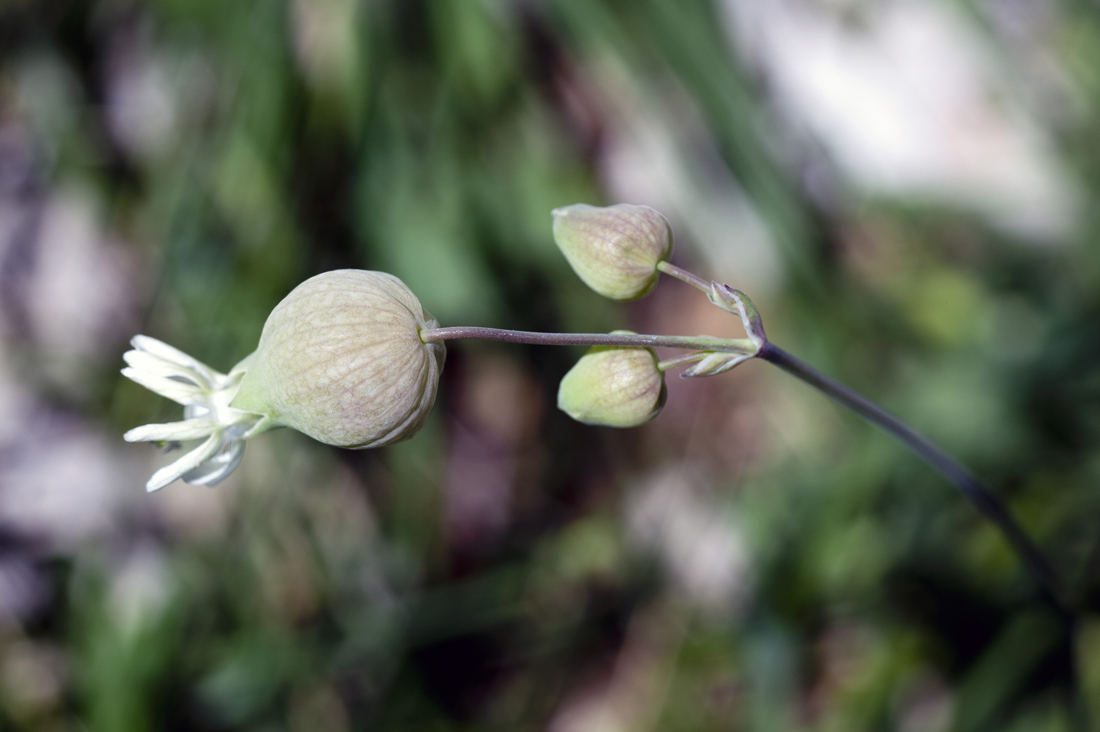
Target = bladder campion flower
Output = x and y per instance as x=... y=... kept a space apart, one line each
x=340 y=359
x=206 y=395
x=352 y=359
x=616 y=249
x=614 y=386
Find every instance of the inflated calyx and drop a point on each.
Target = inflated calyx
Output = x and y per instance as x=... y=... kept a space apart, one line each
x=614 y=387
x=341 y=360
x=616 y=249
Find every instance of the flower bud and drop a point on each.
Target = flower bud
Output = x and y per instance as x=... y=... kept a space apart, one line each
x=341 y=360
x=614 y=386
x=615 y=250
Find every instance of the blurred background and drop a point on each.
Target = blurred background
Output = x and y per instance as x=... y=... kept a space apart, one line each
x=905 y=187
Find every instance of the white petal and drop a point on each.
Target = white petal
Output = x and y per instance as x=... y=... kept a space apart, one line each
x=214 y=470
x=150 y=364
x=177 y=391
x=173 y=355
x=188 y=462
x=193 y=411
x=190 y=429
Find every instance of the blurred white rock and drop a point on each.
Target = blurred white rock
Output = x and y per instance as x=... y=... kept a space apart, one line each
x=910 y=102
x=65 y=482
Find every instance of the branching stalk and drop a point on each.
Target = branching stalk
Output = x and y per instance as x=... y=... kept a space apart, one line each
x=985 y=501
x=708 y=343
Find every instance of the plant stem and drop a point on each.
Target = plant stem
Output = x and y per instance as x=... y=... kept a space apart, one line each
x=940 y=461
x=684 y=276
x=707 y=343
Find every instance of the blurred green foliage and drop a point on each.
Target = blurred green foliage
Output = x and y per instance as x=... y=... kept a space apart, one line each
x=508 y=569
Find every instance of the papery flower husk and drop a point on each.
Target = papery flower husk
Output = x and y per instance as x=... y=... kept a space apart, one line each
x=341 y=360
x=614 y=249
x=614 y=386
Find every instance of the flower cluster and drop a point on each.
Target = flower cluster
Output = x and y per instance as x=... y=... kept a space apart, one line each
x=352 y=359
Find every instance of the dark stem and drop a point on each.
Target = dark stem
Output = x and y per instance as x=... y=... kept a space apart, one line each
x=940 y=461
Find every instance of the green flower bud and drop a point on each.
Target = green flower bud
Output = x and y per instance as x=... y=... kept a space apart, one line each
x=341 y=360
x=615 y=250
x=614 y=387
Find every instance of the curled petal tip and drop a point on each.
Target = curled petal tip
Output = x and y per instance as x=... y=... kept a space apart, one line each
x=185 y=464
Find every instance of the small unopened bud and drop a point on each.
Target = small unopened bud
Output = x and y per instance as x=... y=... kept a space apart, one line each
x=738 y=303
x=614 y=387
x=341 y=360
x=615 y=250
